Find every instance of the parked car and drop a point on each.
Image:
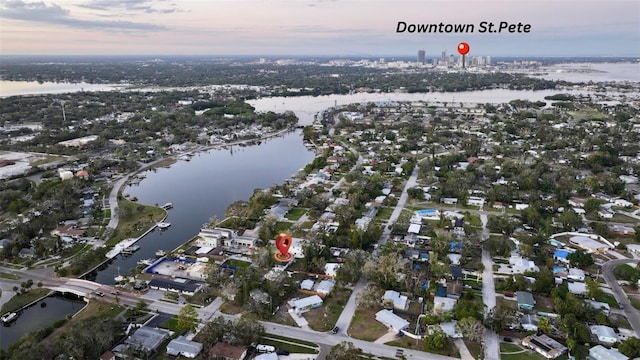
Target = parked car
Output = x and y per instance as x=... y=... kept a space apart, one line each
x=282 y=352
x=335 y=330
x=100 y=293
x=508 y=339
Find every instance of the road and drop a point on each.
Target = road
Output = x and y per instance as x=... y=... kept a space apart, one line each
x=630 y=312
x=491 y=343
x=411 y=182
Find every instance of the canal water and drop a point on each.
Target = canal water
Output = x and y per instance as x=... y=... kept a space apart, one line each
x=204 y=187
x=38 y=317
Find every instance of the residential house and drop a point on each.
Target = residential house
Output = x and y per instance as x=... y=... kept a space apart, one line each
x=576 y=274
x=400 y=302
x=306 y=304
x=600 y=352
x=604 y=334
x=604 y=307
x=605 y=213
x=621 y=230
x=577 y=288
x=5 y=242
x=525 y=300
x=529 y=322
x=443 y=304
x=544 y=345
x=147 y=339
x=180 y=346
x=388 y=318
x=325 y=287
x=183 y=286
x=454 y=289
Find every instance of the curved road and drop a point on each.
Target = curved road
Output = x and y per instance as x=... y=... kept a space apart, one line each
x=607 y=273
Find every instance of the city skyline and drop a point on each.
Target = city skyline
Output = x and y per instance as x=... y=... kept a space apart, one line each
x=320 y=27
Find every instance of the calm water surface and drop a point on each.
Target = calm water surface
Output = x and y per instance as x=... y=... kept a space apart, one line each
x=37 y=317
x=204 y=187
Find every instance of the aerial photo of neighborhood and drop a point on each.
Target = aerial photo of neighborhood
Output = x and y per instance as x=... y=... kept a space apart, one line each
x=302 y=180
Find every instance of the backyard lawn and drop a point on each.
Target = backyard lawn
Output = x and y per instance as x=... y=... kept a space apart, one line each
x=364 y=325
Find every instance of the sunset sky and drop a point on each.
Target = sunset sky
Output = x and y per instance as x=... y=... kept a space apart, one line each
x=314 y=27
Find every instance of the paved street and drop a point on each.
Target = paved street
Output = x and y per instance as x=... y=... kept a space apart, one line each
x=630 y=312
x=491 y=343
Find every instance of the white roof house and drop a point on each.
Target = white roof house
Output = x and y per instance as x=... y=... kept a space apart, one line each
x=414 y=229
x=388 y=318
x=306 y=304
x=576 y=274
x=399 y=301
x=600 y=352
x=442 y=304
x=588 y=244
x=182 y=346
x=577 y=288
x=306 y=284
x=325 y=287
x=331 y=269
x=605 y=334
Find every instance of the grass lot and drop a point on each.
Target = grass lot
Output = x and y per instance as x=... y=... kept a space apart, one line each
x=291 y=345
x=609 y=299
x=472 y=282
x=324 y=318
x=508 y=347
x=229 y=307
x=18 y=301
x=9 y=276
x=171 y=324
x=635 y=302
x=544 y=303
x=475 y=349
x=100 y=309
x=135 y=219
x=364 y=325
x=409 y=343
x=282 y=226
x=237 y=263
x=384 y=213
x=295 y=213
x=522 y=356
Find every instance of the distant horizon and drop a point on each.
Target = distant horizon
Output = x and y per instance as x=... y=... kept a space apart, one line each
x=322 y=56
x=346 y=28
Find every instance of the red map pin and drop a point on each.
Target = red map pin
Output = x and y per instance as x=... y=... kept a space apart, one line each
x=463 y=48
x=283 y=243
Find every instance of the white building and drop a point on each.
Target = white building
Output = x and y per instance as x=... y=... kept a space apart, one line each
x=180 y=346
x=400 y=302
x=576 y=274
x=306 y=304
x=442 y=304
x=600 y=352
x=388 y=318
x=604 y=334
x=577 y=288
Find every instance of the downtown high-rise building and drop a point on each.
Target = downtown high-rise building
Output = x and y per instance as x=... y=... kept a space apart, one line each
x=420 y=56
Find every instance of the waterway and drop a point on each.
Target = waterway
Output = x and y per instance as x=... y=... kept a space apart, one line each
x=14 y=88
x=204 y=187
x=37 y=317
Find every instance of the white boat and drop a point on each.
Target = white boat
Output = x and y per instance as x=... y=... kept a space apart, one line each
x=146 y=262
x=8 y=317
x=130 y=250
x=161 y=253
x=167 y=206
x=163 y=225
x=119 y=278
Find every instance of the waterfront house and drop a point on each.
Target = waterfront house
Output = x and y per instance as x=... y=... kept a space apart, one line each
x=147 y=339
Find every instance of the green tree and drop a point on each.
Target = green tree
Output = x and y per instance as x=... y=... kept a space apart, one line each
x=580 y=259
x=436 y=339
x=470 y=328
x=187 y=318
x=630 y=347
x=544 y=283
x=347 y=351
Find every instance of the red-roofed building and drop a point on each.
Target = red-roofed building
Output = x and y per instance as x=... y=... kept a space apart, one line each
x=83 y=174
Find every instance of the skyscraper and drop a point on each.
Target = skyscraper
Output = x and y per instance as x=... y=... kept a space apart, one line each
x=444 y=56
x=420 y=56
